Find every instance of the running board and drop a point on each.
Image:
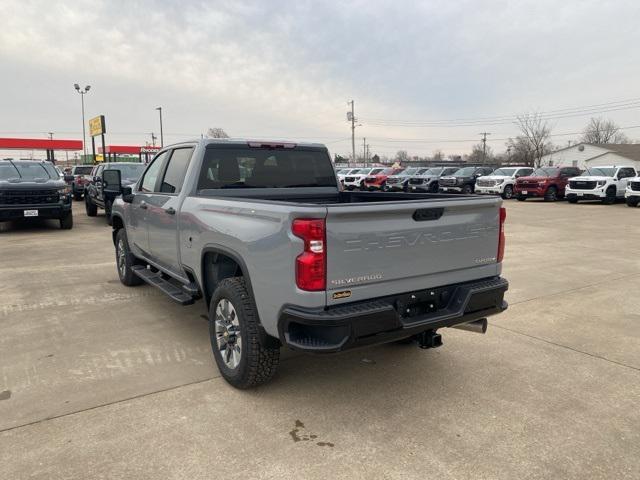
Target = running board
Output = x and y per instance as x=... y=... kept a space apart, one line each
x=155 y=279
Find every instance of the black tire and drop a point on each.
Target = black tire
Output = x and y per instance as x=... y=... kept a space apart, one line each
x=572 y=200
x=90 y=207
x=632 y=202
x=66 y=222
x=125 y=260
x=467 y=189
x=107 y=212
x=433 y=188
x=507 y=193
x=610 y=198
x=77 y=195
x=257 y=364
x=521 y=198
x=551 y=195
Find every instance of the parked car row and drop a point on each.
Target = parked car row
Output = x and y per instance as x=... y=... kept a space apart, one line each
x=606 y=184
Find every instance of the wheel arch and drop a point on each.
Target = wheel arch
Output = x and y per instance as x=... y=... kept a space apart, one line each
x=117 y=224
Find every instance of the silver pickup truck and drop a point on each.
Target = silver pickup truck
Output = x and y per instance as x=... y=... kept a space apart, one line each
x=283 y=257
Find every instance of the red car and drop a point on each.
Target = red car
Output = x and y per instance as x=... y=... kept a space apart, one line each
x=376 y=182
x=545 y=182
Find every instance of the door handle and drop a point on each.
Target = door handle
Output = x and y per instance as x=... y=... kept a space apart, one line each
x=171 y=211
x=143 y=205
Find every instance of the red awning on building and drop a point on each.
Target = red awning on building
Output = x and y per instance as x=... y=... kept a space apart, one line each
x=39 y=144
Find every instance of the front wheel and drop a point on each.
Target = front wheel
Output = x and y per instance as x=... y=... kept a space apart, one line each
x=572 y=200
x=507 y=193
x=433 y=188
x=90 y=207
x=632 y=202
x=467 y=189
x=234 y=333
x=551 y=195
x=66 y=222
x=610 y=197
x=125 y=260
x=521 y=198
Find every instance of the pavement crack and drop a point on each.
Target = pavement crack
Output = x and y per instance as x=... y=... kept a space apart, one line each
x=567 y=347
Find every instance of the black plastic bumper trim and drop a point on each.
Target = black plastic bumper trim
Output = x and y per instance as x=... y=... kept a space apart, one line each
x=383 y=320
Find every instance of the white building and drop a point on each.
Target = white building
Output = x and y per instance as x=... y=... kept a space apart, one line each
x=585 y=155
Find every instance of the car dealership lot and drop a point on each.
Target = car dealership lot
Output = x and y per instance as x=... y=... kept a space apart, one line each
x=103 y=381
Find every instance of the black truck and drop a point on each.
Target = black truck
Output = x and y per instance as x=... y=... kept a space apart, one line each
x=464 y=180
x=34 y=189
x=96 y=192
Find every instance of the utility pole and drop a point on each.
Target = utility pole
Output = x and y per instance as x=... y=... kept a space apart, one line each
x=352 y=116
x=50 y=135
x=484 y=146
x=161 y=134
x=364 y=149
x=153 y=139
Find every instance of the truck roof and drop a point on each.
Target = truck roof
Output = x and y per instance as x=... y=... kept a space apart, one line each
x=249 y=141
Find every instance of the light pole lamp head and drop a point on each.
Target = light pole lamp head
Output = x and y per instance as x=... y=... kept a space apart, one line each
x=159 y=109
x=86 y=89
x=76 y=86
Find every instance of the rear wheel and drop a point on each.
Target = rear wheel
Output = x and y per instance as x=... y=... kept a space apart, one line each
x=77 y=195
x=125 y=260
x=234 y=334
x=551 y=195
x=90 y=207
x=66 y=222
x=507 y=193
x=610 y=197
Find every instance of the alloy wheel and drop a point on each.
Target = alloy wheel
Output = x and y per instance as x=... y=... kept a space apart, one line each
x=227 y=330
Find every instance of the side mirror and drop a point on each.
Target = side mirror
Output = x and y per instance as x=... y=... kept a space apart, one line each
x=69 y=178
x=111 y=181
x=127 y=194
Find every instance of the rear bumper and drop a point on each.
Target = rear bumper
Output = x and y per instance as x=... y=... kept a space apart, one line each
x=390 y=318
x=15 y=212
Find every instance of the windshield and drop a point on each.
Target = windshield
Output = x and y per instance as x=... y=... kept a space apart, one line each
x=408 y=171
x=82 y=170
x=545 y=172
x=27 y=171
x=387 y=171
x=422 y=171
x=465 y=172
x=360 y=171
x=264 y=167
x=504 y=172
x=128 y=171
x=599 y=172
x=376 y=171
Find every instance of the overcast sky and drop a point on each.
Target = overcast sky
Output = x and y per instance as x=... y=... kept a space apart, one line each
x=286 y=69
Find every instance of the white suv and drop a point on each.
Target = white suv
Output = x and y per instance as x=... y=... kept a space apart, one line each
x=600 y=183
x=632 y=194
x=501 y=181
x=355 y=178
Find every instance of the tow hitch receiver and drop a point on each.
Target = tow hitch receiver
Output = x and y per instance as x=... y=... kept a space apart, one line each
x=429 y=339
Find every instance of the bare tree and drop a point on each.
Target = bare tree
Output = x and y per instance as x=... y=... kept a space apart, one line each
x=402 y=156
x=600 y=130
x=438 y=156
x=477 y=154
x=217 y=133
x=534 y=137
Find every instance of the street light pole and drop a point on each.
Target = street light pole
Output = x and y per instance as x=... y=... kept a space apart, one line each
x=161 y=134
x=82 y=93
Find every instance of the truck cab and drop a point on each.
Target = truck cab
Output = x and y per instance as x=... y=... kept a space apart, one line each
x=605 y=184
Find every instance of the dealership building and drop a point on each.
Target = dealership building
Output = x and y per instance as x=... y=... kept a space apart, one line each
x=585 y=155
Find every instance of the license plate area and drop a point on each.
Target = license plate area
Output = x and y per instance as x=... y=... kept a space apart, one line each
x=30 y=213
x=423 y=302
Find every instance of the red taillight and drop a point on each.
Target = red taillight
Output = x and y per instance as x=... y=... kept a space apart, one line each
x=503 y=217
x=311 y=265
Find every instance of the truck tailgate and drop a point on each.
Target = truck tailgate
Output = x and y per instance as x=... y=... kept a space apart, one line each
x=379 y=249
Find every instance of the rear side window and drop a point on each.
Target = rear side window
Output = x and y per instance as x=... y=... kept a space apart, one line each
x=153 y=172
x=264 y=167
x=176 y=170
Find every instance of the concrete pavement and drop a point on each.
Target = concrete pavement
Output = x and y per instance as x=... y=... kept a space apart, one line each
x=102 y=381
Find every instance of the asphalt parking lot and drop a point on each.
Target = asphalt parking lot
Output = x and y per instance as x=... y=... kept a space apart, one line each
x=103 y=381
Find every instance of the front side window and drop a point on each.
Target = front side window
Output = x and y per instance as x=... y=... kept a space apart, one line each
x=545 y=172
x=176 y=170
x=153 y=172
